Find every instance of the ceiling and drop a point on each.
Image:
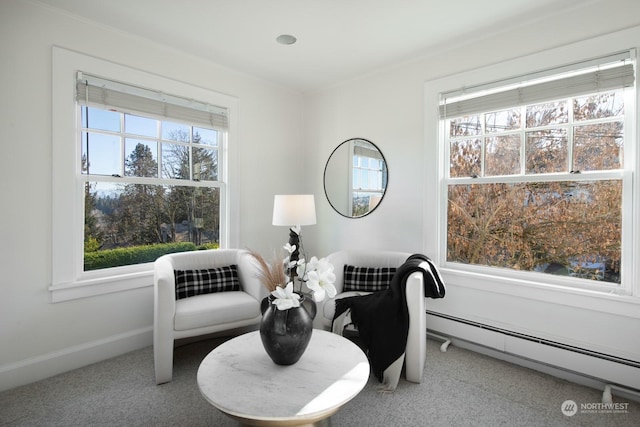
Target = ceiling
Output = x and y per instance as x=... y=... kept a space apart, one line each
x=337 y=39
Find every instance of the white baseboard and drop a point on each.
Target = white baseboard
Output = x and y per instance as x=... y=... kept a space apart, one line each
x=584 y=369
x=40 y=367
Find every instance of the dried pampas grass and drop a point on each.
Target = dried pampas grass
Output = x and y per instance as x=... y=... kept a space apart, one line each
x=271 y=273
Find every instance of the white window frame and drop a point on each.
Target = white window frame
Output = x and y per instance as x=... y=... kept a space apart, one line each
x=523 y=285
x=69 y=280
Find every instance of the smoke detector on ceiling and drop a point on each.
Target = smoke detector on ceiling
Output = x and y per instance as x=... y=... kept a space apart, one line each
x=286 y=39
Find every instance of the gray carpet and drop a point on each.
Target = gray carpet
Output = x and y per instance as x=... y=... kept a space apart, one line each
x=459 y=388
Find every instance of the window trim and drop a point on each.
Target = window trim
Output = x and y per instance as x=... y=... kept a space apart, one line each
x=67 y=237
x=497 y=282
x=478 y=281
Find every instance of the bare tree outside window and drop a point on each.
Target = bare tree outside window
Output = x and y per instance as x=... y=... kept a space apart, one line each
x=564 y=224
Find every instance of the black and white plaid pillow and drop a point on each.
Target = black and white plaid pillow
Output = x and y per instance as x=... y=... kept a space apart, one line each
x=196 y=282
x=367 y=279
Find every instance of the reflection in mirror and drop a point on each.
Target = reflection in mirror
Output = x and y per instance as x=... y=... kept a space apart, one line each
x=355 y=178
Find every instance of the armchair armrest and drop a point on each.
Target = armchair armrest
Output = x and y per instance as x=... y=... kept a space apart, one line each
x=416 y=349
x=164 y=296
x=249 y=271
x=163 y=317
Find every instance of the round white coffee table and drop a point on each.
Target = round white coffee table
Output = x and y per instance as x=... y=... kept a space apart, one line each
x=240 y=379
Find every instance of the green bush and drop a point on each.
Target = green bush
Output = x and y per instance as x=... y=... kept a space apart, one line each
x=206 y=246
x=135 y=254
x=91 y=245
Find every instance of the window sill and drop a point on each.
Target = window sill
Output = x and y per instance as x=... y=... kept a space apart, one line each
x=607 y=302
x=100 y=286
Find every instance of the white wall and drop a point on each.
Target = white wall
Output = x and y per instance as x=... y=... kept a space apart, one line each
x=397 y=110
x=37 y=338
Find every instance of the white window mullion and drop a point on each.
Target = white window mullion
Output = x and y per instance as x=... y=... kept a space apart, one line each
x=570 y=135
x=523 y=140
x=123 y=144
x=483 y=149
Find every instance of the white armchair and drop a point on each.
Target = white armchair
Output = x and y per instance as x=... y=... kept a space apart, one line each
x=416 y=348
x=201 y=314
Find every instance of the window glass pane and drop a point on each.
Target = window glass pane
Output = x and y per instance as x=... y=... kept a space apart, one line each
x=500 y=121
x=205 y=164
x=465 y=157
x=96 y=118
x=175 y=132
x=568 y=228
x=205 y=136
x=466 y=126
x=598 y=106
x=141 y=158
x=375 y=180
x=367 y=162
x=140 y=125
x=502 y=155
x=100 y=154
x=598 y=146
x=364 y=182
x=132 y=223
x=175 y=161
x=548 y=113
x=546 y=151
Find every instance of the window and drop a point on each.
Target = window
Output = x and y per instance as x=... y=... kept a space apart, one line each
x=538 y=174
x=369 y=177
x=151 y=180
x=137 y=174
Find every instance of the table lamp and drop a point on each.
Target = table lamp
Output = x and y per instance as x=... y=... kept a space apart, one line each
x=294 y=211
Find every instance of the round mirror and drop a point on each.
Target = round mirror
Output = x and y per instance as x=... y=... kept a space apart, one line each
x=355 y=178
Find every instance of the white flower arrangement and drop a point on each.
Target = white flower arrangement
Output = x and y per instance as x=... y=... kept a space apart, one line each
x=285 y=298
x=317 y=273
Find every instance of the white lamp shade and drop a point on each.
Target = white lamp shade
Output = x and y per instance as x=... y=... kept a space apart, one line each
x=294 y=209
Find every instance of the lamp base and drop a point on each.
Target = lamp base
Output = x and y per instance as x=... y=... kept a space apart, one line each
x=294 y=240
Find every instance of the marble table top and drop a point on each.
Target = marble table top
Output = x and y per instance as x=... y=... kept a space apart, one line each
x=240 y=379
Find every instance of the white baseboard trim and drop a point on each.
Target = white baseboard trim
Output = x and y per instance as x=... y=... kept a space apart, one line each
x=570 y=365
x=40 y=367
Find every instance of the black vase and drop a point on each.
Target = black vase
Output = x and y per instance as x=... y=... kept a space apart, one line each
x=286 y=334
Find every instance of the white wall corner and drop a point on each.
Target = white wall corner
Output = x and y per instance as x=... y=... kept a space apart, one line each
x=40 y=367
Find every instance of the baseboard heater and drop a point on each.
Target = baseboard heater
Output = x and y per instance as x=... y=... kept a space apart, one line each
x=593 y=381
